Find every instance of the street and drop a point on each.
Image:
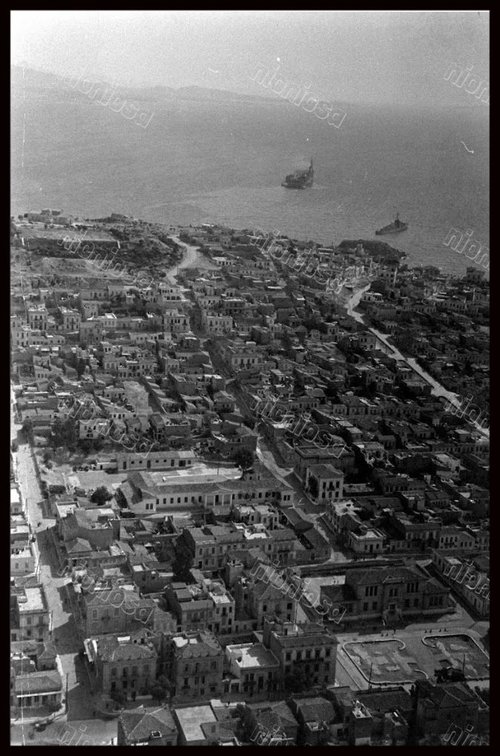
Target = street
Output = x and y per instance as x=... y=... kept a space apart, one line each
x=437 y=388
x=66 y=634
x=77 y=732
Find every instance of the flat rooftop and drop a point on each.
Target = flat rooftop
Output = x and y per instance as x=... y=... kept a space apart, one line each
x=191 y=719
x=198 y=473
x=251 y=655
x=34 y=600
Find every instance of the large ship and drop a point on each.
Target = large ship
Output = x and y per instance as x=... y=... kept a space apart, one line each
x=300 y=179
x=392 y=228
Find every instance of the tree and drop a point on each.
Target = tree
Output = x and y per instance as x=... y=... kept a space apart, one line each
x=296 y=681
x=161 y=689
x=101 y=495
x=118 y=696
x=64 y=434
x=244 y=459
x=86 y=445
x=80 y=366
x=183 y=562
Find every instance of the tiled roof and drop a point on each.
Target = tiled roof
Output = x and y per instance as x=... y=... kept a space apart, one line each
x=38 y=682
x=138 y=725
x=382 y=575
x=448 y=694
x=315 y=709
x=109 y=650
x=386 y=700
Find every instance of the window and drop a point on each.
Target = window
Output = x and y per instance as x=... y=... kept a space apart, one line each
x=365 y=606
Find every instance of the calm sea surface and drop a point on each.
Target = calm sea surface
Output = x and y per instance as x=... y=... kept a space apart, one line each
x=200 y=161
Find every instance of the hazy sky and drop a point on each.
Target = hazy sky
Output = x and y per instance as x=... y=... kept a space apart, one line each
x=394 y=57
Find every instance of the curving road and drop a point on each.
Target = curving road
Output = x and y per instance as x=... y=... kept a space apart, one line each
x=192 y=258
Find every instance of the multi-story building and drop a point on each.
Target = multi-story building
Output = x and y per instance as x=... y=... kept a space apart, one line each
x=122 y=664
x=212 y=545
x=149 y=492
x=161 y=460
x=412 y=531
x=197 y=666
x=386 y=593
x=242 y=355
x=365 y=540
x=441 y=707
x=325 y=483
x=71 y=319
x=22 y=553
x=254 y=669
x=259 y=600
x=469 y=579
x=175 y=321
x=115 y=609
x=29 y=614
x=38 y=317
x=216 y=324
x=307 y=649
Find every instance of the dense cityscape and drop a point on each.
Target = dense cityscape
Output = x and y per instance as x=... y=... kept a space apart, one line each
x=249 y=489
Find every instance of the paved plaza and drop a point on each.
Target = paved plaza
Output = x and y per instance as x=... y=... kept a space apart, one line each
x=398 y=660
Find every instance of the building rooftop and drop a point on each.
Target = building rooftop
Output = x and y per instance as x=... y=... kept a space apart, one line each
x=190 y=720
x=34 y=600
x=251 y=656
x=138 y=724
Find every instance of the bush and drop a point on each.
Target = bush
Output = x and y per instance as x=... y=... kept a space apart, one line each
x=119 y=697
x=101 y=495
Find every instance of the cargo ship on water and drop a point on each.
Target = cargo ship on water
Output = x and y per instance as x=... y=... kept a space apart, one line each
x=300 y=179
x=392 y=228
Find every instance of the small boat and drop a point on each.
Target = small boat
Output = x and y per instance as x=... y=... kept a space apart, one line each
x=392 y=228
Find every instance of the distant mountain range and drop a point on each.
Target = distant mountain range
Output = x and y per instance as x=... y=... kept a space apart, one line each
x=42 y=82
